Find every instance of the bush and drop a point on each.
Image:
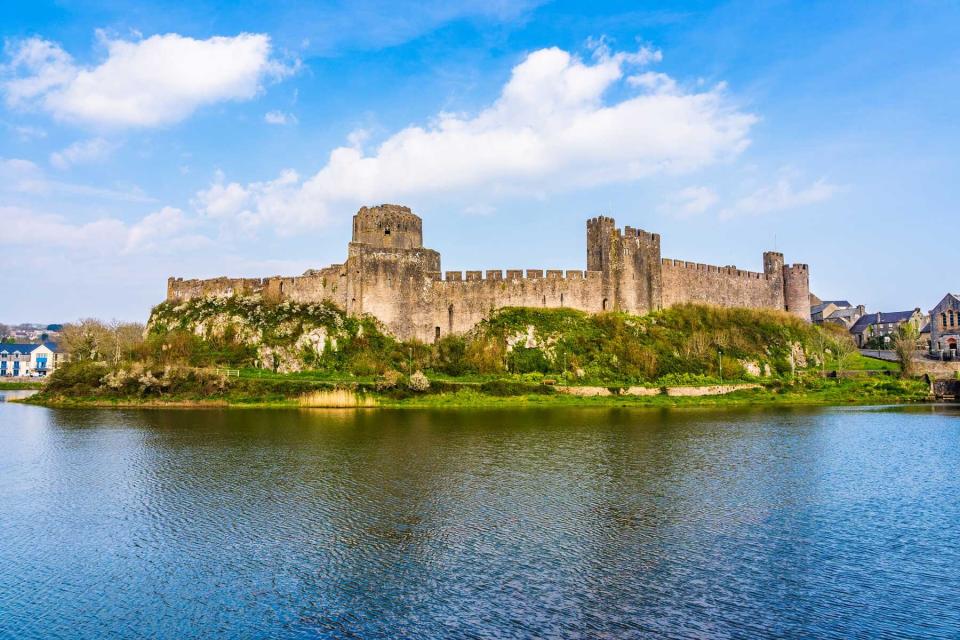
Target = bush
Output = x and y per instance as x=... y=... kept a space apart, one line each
x=389 y=380
x=77 y=378
x=508 y=388
x=451 y=356
x=524 y=360
x=418 y=382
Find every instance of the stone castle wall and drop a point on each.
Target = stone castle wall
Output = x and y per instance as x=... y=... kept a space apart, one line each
x=722 y=286
x=390 y=275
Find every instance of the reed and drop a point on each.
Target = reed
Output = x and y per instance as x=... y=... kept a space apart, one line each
x=336 y=398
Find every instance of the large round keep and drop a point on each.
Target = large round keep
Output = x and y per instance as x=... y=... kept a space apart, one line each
x=388 y=225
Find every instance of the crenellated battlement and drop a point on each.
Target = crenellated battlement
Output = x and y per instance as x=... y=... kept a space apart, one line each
x=709 y=268
x=390 y=274
x=497 y=275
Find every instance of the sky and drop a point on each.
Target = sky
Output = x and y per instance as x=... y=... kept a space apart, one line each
x=141 y=140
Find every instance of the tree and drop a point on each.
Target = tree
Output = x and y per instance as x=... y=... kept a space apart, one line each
x=4 y=332
x=126 y=338
x=843 y=349
x=92 y=339
x=905 y=342
x=85 y=339
x=821 y=344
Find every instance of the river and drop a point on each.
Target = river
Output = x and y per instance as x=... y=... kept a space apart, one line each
x=590 y=523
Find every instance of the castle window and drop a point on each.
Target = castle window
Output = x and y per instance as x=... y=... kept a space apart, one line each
x=561 y=299
x=544 y=300
x=386 y=232
x=436 y=333
x=450 y=317
x=604 y=304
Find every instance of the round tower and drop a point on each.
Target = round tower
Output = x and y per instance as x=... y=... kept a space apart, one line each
x=796 y=290
x=388 y=225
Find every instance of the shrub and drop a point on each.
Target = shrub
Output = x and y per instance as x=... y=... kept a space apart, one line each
x=389 y=380
x=525 y=360
x=451 y=356
x=77 y=378
x=418 y=382
x=508 y=388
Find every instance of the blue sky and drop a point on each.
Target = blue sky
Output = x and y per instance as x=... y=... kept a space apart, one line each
x=141 y=140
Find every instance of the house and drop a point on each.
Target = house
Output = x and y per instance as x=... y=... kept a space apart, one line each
x=22 y=359
x=839 y=312
x=945 y=326
x=876 y=330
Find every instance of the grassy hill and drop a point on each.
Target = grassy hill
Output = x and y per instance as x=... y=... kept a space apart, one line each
x=283 y=351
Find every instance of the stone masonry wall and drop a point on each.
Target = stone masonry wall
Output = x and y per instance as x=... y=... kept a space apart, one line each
x=722 y=286
x=390 y=275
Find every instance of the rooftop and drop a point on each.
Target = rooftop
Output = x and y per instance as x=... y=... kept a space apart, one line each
x=882 y=317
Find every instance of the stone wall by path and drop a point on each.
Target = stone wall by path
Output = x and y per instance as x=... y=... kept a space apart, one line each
x=711 y=390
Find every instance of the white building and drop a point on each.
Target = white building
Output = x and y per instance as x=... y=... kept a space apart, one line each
x=22 y=360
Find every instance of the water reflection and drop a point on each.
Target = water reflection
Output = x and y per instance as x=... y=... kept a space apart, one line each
x=505 y=523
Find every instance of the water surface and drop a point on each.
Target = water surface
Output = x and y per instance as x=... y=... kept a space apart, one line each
x=831 y=523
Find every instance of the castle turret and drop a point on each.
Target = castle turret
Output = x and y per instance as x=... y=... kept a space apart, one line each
x=773 y=264
x=388 y=225
x=796 y=288
x=600 y=236
x=629 y=263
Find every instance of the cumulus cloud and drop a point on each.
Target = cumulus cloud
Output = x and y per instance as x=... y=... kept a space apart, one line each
x=551 y=128
x=689 y=202
x=105 y=236
x=780 y=196
x=279 y=118
x=84 y=151
x=143 y=83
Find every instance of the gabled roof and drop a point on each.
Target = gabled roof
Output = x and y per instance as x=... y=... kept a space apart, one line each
x=840 y=304
x=17 y=347
x=926 y=328
x=844 y=313
x=886 y=317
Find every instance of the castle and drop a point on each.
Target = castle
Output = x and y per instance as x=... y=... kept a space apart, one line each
x=392 y=276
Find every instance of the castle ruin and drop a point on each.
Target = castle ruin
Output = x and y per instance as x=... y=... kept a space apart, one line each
x=392 y=276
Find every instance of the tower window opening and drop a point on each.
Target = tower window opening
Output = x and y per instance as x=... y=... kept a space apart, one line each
x=604 y=304
x=386 y=232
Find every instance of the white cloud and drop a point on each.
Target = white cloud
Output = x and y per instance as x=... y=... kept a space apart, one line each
x=780 y=196
x=142 y=83
x=689 y=202
x=105 y=236
x=279 y=118
x=550 y=129
x=92 y=150
x=27 y=133
x=19 y=176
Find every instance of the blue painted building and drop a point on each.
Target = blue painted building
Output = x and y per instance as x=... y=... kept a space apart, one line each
x=22 y=359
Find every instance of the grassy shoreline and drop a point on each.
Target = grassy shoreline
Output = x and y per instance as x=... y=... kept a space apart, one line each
x=20 y=386
x=830 y=393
